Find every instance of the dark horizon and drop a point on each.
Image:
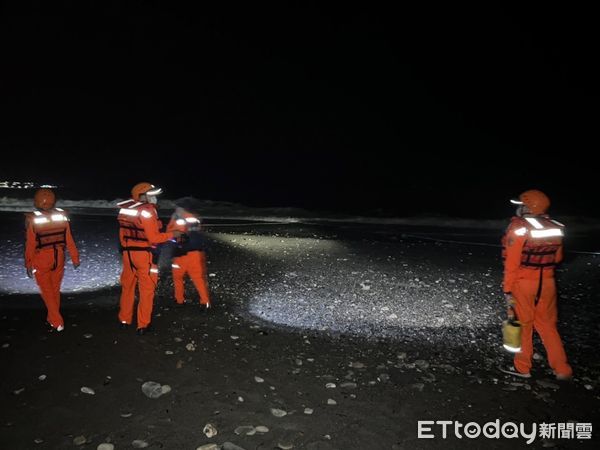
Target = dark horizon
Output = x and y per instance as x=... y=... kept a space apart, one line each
x=304 y=107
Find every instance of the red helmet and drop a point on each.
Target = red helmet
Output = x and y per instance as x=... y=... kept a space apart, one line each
x=44 y=199
x=536 y=201
x=144 y=188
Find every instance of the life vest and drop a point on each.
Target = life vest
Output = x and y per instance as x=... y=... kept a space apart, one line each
x=50 y=227
x=543 y=240
x=131 y=232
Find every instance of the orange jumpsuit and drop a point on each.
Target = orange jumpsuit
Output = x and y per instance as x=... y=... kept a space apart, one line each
x=532 y=248
x=139 y=234
x=189 y=259
x=47 y=234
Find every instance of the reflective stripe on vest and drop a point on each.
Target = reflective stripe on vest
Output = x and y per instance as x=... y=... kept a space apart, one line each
x=129 y=223
x=50 y=228
x=543 y=241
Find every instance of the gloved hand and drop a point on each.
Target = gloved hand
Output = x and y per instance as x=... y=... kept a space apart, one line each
x=177 y=234
x=76 y=266
x=29 y=272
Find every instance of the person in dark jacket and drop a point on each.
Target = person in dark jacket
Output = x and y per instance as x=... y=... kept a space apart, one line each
x=189 y=256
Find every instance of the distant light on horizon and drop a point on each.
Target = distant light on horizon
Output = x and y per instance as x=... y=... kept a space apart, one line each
x=24 y=185
x=16 y=185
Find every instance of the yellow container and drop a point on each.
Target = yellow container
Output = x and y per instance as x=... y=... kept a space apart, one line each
x=511 y=335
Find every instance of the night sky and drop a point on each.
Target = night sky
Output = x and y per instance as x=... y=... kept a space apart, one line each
x=305 y=106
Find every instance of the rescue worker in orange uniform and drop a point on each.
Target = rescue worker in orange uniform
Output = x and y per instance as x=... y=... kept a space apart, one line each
x=532 y=247
x=47 y=233
x=189 y=257
x=139 y=235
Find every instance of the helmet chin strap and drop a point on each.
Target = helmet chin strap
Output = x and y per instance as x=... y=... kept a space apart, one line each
x=523 y=210
x=153 y=199
x=520 y=211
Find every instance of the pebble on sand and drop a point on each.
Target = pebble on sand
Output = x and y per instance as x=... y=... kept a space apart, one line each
x=208 y=447
x=209 y=430
x=105 y=446
x=231 y=446
x=152 y=389
x=79 y=440
x=278 y=412
x=245 y=430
